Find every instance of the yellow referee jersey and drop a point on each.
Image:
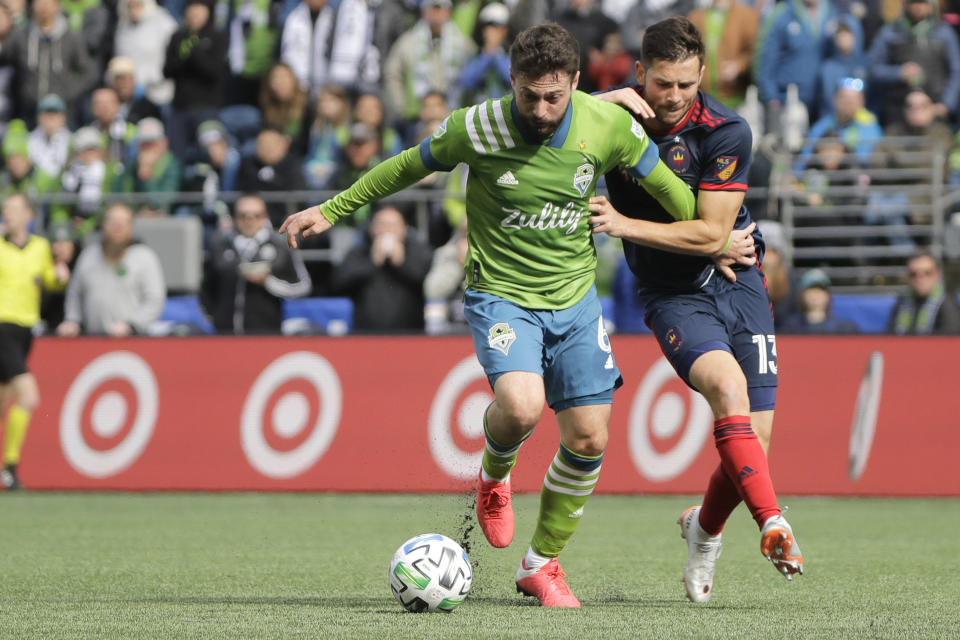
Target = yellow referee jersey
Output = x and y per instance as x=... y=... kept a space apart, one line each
x=23 y=274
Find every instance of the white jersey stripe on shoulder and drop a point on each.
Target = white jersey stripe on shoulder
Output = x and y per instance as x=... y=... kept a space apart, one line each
x=472 y=130
x=502 y=125
x=487 y=129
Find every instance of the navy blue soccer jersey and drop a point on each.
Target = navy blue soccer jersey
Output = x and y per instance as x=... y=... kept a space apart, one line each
x=709 y=150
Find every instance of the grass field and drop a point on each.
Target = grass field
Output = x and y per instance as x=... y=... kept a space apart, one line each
x=314 y=566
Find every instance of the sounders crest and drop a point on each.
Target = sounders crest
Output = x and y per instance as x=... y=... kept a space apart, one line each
x=583 y=178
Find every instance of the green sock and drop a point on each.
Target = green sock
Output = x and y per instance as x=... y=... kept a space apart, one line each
x=566 y=487
x=498 y=459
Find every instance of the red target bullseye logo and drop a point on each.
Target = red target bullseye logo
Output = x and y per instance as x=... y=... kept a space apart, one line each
x=108 y=414
x=455 y=426
x=291 y=414
x=667 y=427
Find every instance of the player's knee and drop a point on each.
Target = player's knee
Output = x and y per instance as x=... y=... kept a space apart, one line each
x=590 y=445
x=26 y=395
x=522 y=416
x=28 y=403
x=727 y=396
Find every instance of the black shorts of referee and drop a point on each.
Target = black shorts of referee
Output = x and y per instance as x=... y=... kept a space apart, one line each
x=15 y=343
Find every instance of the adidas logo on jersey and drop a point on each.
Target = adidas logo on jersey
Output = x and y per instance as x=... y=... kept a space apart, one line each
x=507 y=178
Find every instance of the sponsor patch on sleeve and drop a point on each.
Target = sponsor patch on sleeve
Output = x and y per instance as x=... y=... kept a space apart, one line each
x=726 y=165
x=637 y=129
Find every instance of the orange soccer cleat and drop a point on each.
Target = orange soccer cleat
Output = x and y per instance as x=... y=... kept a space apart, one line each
x=494 y=512
x=780 y=547
x=547 y=584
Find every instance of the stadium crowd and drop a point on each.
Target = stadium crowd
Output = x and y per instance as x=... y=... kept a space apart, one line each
x=143 y=102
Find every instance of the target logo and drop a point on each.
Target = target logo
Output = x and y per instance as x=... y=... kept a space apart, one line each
x=291 y=414
x=109 y=414
x=660 y=415
x=455 y=429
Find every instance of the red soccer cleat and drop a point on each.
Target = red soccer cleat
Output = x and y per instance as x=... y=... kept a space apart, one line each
x=494 y=512
x=546 y=584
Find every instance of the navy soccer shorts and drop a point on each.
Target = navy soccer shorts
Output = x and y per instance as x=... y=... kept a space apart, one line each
x=730 y=316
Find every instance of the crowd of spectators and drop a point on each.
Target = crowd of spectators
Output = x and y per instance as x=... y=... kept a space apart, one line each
x=157 y=97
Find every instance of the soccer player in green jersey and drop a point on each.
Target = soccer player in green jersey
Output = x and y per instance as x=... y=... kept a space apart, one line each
x=534 y=159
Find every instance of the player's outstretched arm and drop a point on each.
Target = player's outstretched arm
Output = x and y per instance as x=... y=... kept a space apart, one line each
x=671 y=192
x=390 y=176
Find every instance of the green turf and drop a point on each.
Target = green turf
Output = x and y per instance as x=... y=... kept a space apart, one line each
x=315 y=566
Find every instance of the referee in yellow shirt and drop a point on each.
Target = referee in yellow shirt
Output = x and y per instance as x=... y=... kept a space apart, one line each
x=26 y=268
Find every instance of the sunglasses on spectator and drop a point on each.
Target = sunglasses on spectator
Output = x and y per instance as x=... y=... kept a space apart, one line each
x=918 y=273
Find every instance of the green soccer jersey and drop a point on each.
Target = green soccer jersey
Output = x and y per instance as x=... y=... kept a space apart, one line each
x=527 y=215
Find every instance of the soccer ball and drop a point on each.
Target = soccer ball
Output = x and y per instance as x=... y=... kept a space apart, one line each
x=430 y=572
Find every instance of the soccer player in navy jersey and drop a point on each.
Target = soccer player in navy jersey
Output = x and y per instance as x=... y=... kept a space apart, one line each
x=716 y=331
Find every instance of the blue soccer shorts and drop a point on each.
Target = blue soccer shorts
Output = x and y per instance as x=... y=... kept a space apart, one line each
x=568 y=348
x=730 y=316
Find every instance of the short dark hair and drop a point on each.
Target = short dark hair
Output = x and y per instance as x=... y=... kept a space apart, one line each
x=674 y=40
x=544 y=48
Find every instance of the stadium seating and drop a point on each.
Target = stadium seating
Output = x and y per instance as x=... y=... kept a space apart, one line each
x=329 y=315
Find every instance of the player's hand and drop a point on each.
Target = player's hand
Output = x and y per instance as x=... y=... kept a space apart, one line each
x=309 y=222
x=741 y=250
x=629 y=99
x=606 y=219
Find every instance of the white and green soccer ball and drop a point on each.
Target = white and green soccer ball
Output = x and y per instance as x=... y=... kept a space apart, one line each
x=430 y=572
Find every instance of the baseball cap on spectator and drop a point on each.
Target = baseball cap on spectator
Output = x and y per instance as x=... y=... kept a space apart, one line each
x=494 y=13
x=149 y=130
x=361 y=134
x=814 y=278
x=440 y=4
x=51 y=103
x=211 y=131
x=86 y=138
x=120 y=66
